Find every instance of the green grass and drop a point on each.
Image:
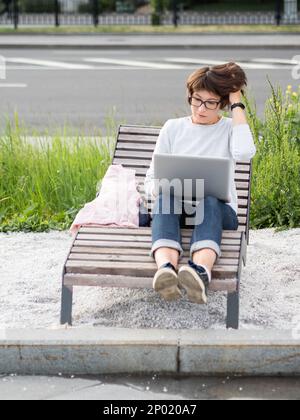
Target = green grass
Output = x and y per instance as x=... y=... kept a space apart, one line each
x=275 y=200
x=43 y=185
x=152 y=29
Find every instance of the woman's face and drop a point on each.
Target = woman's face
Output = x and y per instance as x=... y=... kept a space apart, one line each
x=202 y=114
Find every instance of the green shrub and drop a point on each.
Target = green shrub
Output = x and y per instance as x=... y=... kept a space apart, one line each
x=159 y=7
x=275 y=200
x=45 y=183
x=107 y=6
x=37 y=6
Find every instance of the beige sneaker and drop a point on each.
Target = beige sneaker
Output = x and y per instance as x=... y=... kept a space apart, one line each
x=195 y=280
x=165 y=282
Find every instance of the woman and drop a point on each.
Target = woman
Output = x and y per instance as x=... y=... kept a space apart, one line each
x=204 y=133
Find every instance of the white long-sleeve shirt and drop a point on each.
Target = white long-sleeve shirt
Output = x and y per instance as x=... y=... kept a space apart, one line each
x=223 y=139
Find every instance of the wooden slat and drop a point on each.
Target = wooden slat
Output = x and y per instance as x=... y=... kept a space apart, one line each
x=217 y=284
x=145 y=151
x=241 y=228
x=241 y=176
x=145 y=231
x=225 y=234
x=129 y=154
x=129 y=162
x=242 y=168
x=135 y=146
x=142 y=167
x=134 y=157
x=242 y=203
x=140 y=174
x=242 y=193
x=138 y=238
x=140 y=130
x=136 y=252
x=144 y=245
x=144 y=145
x=242 y=186
x=241 y=211
x=109 y=250
x=243 y=162
x=133 y=269
x=242 y=219
x=138 y=258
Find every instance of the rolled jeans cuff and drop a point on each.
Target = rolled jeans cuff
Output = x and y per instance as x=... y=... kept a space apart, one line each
x=169 y=243
x=205 y=244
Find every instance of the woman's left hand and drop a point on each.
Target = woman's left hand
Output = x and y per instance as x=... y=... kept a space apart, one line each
x=235 y=97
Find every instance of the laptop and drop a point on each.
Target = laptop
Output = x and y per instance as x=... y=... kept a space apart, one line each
x=214 y=172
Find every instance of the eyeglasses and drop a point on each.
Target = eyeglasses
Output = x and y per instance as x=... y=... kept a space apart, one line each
x=211 y=105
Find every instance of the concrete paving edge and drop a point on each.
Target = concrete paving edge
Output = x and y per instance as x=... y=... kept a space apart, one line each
x=144 y=47
x=95 y=351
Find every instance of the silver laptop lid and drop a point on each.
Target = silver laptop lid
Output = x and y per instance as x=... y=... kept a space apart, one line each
x=215 y=172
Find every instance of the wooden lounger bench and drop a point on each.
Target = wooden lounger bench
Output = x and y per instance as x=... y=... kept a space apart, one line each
x=119 y=257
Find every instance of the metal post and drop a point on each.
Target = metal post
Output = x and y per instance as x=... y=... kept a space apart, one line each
x=96 y=12
x=278 y=12
x=56 y=11
x=233 y=310
x=175 y=13
x=66 y=305
x=16 y=13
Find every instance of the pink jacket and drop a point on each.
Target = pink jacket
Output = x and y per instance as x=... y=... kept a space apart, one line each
x=117 y=205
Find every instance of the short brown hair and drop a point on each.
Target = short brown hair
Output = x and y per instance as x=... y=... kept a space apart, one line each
x=220 y=80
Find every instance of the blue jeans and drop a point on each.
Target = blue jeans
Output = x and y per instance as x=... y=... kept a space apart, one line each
x=215 y=216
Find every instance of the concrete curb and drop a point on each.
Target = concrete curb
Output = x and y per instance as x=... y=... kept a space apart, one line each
x=145 y=47
x=103 y=41
x=94 y=351
x=134 y=34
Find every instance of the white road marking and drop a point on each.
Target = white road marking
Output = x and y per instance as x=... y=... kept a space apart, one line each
x=48 y=63
x=180 y=63
x=13 y=85
x=245 y=65
x=275 y=61
x=134 y=63
x=104 y=68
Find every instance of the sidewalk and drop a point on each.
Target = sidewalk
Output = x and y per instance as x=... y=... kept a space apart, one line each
x=147 y=387
x=153 y=41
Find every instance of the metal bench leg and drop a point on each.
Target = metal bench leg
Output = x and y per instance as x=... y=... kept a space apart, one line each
x=66 y=305
x=233 y=309
x=244 y=250
x=233 y=298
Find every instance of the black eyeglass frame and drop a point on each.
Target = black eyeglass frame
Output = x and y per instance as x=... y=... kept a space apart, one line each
x=204 y=102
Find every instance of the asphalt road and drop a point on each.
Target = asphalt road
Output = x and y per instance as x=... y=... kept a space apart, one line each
x=81 y=88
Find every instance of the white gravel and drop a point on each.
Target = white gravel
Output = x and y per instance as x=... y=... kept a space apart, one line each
x=31 y=266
